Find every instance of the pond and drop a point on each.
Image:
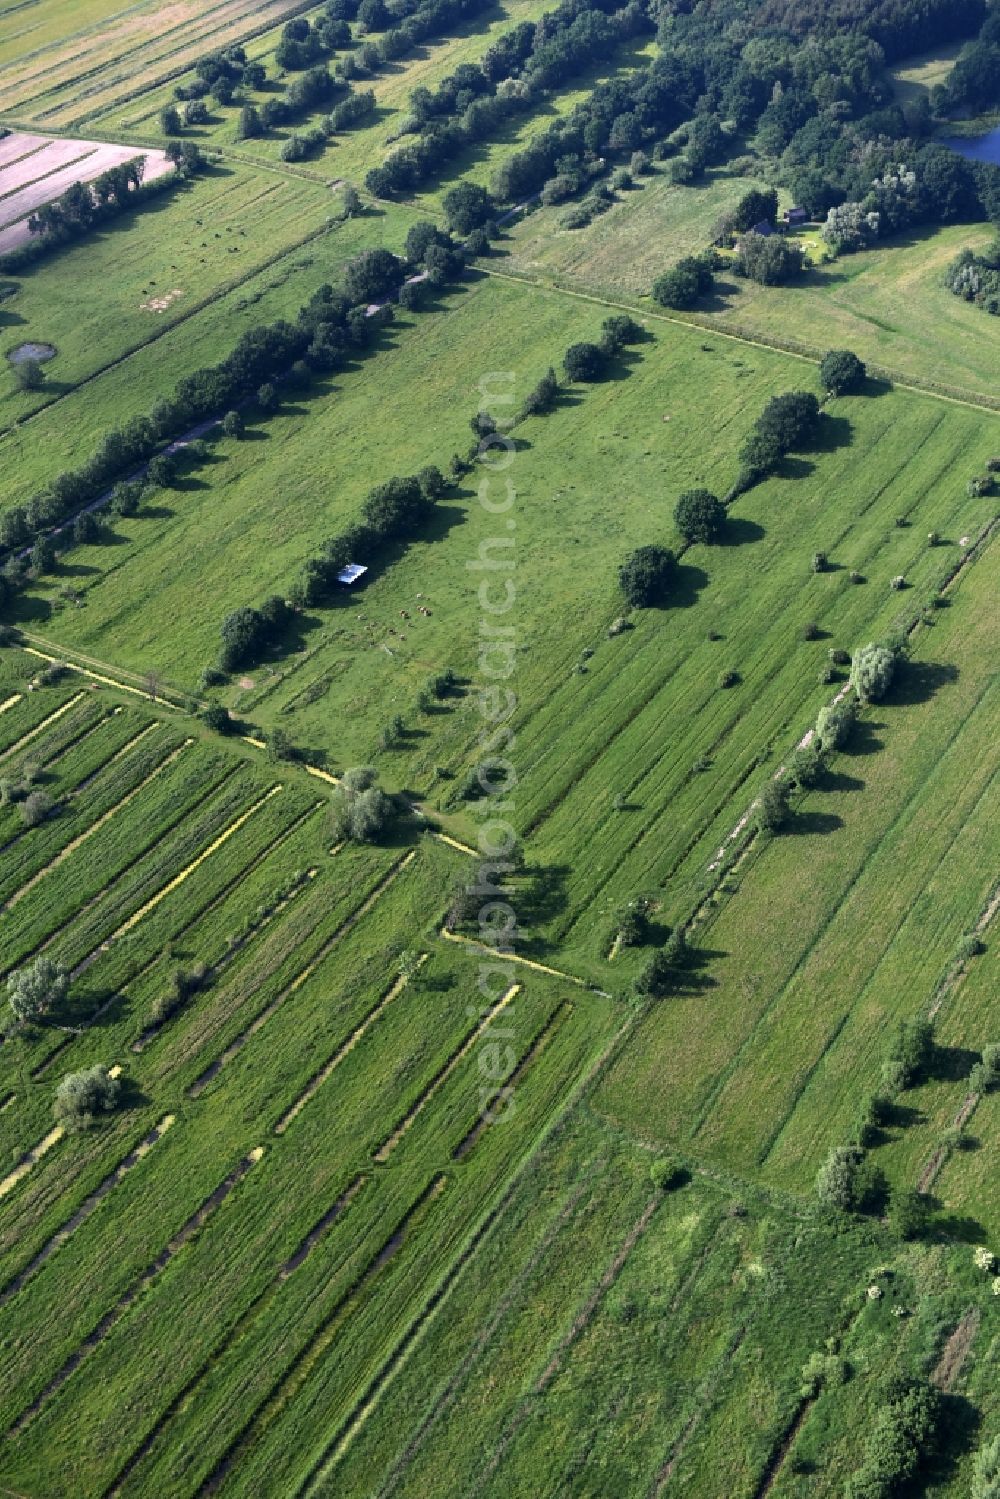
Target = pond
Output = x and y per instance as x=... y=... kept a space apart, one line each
x=976 y=147
x=38 y=352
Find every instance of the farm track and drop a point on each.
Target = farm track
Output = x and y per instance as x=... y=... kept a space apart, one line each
x=307 y=1358
x=576 y=1328
x=184 y=1235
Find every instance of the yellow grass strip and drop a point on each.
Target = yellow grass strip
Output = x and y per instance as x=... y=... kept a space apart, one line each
x=257 y=743
x=348 y=1046
x=11 y=701
x=384 y=1151
x=207 y=853
x=33 y=1156
x=322 y=775
x=106 y=817
x=95 y=676
x=463 y=848
x=509 y=957
x=41 y=727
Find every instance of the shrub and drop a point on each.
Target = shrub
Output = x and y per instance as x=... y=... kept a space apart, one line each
x=216 y=718
x=543 y=397
x=700 y=516
x=689 y=279
x=811 y=630
x=898 y=583
x=729 y=678
x=667 y=1173
x=986 y=1472
x=820 y=562
x=82 y=1095
x=841 y=371
x=645 y=576
x=36 y=808
x=662 y=973
x=872 y=670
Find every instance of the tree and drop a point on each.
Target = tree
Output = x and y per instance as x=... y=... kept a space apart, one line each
x=645 y=576
x=250 y=123
x=768 y=259
x=232 y=424
x=790 y=419
x=82 y=1095
x=170 y=120
x=34 y=990
x=372 y=275
x=908 y=1213
x=86 y=528
x=690 y=278
x=467 y=206
x=662 y=974
x=162 y=470
x=544 y=395
x=986 y=1472
x=216 y=718
x=841 y=371
x=837 y=1179
x=834 y=724
x=872 y=670
x=43 y=555
x=362 y=812
x=267 y=397
x=583 y=361
x=758 y=206
x=770 y=810
x=700 y=516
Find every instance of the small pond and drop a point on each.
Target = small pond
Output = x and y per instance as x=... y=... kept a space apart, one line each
x=38 y=352
x=975 y=147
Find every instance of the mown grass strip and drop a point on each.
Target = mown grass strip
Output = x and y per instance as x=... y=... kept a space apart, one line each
x=384 y=1151
x=87 y=1207
x=365 y=1024
x=110 y=1319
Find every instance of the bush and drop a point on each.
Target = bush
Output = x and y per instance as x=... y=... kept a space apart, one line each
x=680 y=287
x=217 y=719
x=820 y=562
x=645 y=576
x=82 y=1095
x=662 y=973
x=667 y=1173
x=908 y=1213
x=700 y=516
x=841 y=371
x=36 y=808
x=872 y=671
x=768 y=259
x=986 y=1472
x=543 y=397
x=910 y=1051
x=807 y=766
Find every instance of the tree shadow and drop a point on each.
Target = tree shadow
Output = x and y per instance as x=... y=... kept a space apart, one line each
x=739 y=531
x=811 y=822
x=686 y=583
x=951 y=1064
x=864 y=739
x=837 y=780
x=919 y=681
